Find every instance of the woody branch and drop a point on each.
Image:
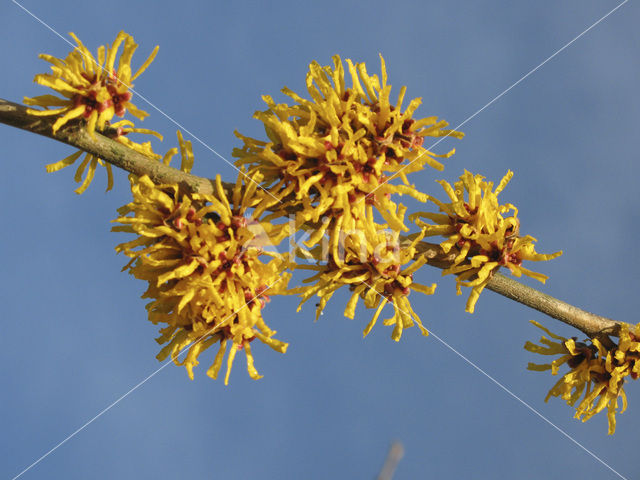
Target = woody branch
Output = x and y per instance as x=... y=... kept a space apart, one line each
x=119 y=155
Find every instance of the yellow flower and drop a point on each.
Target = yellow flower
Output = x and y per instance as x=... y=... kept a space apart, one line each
x=202 y=258
x=596 y=371
x=93 y=89
x=117 y=131
x=328 y=154
x=486 y=238
x=370 y=262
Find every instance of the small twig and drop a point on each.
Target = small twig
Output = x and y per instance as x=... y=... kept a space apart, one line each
x=396 y=452
x=589 y=323
x=123 y=157
x=117 y=154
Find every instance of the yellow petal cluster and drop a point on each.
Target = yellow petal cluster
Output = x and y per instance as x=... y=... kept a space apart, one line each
x=370 y=262
x=597 y=374
x=485 y=233
x=91 y=88
x=341 y=148
x=202 y=256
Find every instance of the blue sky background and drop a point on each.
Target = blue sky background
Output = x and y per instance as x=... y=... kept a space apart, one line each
x=75 y=335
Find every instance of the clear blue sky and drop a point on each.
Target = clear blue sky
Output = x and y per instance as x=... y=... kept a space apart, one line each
x=75 y=335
